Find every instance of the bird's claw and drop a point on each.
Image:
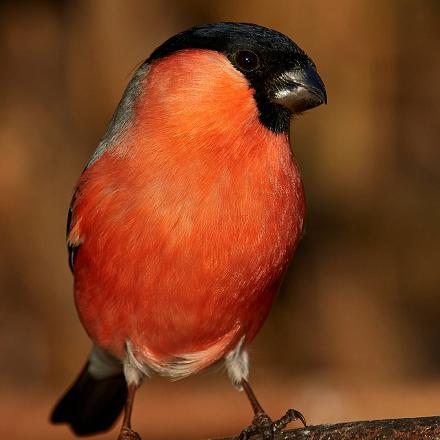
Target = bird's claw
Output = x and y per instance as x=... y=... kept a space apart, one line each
x=128 y=434
x=263 y=425
x=290 y=416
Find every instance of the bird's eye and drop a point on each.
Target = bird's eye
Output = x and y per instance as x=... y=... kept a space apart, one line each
x=246 y=60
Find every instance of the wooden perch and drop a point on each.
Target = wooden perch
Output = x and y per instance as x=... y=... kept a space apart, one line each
x=415 y=429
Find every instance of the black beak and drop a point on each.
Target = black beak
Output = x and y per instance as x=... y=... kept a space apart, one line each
x=299 y=89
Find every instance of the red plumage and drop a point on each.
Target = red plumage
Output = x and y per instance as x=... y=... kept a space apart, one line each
x=187 y=224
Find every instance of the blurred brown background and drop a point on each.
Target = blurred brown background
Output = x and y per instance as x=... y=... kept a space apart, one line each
x=355 y=332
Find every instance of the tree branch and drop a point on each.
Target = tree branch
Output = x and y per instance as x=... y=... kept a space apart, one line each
x=416 y=428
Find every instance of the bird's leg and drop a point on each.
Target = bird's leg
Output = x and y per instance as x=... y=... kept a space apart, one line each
x=126 y=432
x=262 y=423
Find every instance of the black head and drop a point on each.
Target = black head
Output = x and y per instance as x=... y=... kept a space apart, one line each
x=283 y=76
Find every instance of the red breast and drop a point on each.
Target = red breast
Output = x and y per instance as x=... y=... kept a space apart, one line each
x=187 y=224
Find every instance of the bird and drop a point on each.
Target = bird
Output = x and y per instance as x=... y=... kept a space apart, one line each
x=185 y=218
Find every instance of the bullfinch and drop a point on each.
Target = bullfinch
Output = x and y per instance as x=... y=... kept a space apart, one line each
x=186 y=216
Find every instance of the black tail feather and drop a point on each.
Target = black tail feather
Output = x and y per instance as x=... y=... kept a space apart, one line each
x=91 y=405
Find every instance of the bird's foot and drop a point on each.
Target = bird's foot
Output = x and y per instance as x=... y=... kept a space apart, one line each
x=290 y=416
x=128 y=434
x=263 y=425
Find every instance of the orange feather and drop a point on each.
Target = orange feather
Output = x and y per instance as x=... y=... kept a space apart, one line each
x=187 y=224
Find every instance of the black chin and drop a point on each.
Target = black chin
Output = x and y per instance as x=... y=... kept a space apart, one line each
x=273 y=116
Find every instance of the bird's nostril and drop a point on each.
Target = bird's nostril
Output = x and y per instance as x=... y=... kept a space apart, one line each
x=296 y=64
